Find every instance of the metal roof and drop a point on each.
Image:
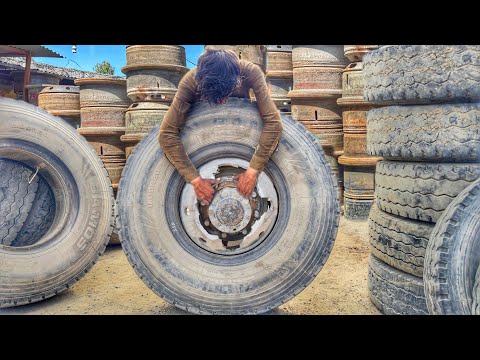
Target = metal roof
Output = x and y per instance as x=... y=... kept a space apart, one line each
x=35 y=50
x=18 y=63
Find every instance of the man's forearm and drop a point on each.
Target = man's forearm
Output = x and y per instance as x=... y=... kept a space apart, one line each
x=269 y=138
x=175 y=152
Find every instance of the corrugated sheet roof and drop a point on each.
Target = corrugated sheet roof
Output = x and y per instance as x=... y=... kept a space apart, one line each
x=37 y=50
x=13 y=63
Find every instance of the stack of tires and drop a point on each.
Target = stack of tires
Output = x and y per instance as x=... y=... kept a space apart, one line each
x=63 y=101
x=56 y=204
x=429 y=137
x=153 y=74
x=103 y=103
x=317 y=84
x=358 y=166
x=280 y=75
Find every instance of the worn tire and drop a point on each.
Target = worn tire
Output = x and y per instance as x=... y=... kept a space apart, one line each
x=397 y=241
x=252 y=282
x=114 y=238
x=453 y=255
x=395 y=292
x=476 y=294
x=83 y=201
x=422 y=74
x=421 y=191
x=435 y=133
x=17 y=194
x=40 y=216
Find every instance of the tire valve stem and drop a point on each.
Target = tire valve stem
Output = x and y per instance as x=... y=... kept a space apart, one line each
x=224 y=235
x=244 y=231
x=256 y=214
x=206 y=223
x=254 y=195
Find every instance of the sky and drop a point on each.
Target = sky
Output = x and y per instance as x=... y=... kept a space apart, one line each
x=88 y=55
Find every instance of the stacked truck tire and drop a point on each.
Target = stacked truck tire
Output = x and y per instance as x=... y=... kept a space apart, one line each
x=428 y=135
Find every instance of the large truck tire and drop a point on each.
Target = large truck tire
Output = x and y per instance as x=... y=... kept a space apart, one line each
x=185 y=259
x=393 y=291
x=63 y=165
x=397 y=241
x=433 y=133
x=421 y=191
x=452 y=256
x=422 y=74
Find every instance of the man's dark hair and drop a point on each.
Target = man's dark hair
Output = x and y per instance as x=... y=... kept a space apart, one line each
x=217 y=74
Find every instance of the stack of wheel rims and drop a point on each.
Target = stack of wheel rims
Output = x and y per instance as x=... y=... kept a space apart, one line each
x=153 y=74
x=358 y=166
x=103 y=102
x=280 y=75
x=317 y=84
x=56 y=204
x=428 y=135
x=63 y=101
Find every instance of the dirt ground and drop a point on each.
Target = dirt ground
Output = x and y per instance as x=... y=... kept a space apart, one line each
x=112 y=287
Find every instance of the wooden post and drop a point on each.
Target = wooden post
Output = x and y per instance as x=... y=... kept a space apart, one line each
x=26 y=79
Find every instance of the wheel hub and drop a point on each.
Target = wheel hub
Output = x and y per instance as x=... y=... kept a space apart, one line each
x=229 y=211
x=231 y=224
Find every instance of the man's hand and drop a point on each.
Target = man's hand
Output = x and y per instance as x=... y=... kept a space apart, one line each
x=247 y=181
x=203 y=189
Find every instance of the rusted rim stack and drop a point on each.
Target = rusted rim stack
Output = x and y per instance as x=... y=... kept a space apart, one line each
x=358 y=166
x=103 y=103
x=140 y=118
x=153 y=74
x=355 y=53
x=63 y=101
x=38 y=81
x=317 y=84
x=280 y=75
x=154 y=71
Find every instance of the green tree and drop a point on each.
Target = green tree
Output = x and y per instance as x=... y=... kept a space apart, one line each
x=104 y=68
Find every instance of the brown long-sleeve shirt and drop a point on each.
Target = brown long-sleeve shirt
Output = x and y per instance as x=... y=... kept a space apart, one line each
x=187 y=94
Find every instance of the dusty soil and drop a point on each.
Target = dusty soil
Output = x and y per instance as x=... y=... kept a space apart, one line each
x=112 y=287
